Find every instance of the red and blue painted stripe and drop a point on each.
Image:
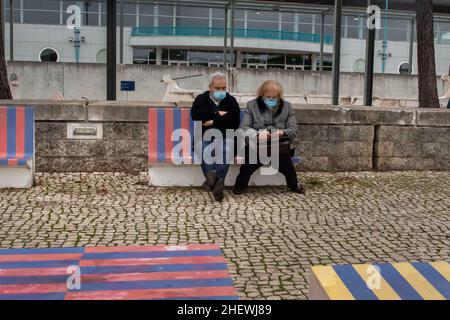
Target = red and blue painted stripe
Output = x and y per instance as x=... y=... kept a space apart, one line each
x=147 y=272
x=162 y=123
x=16 y=135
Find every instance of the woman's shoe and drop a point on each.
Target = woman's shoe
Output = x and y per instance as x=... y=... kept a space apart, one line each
x=299 y=190
x=238 y=190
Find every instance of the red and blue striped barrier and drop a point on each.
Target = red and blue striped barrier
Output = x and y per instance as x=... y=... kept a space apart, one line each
x=195 y=271
x=16 y=135
x=162 y=123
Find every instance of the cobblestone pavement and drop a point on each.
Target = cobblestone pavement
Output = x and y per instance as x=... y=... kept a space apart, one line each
x=270 y=237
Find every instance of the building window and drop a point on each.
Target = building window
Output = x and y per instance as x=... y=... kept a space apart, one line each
x=288 y=21
x=327 y=63
x=209 y=58
x=442 y=32
x=276 y=61
x=165 y=15
x=89 y=13
x=359 y=65
x=178 y=57
x=48 y=55
x=16 y=11
x=198 y=58
x=239 y=16
x=218 y=18
x=152 y=56
x=41 y=11
x=328 y=24
x=255 y=60
x=259 y=60
x=262 y=20
x=305 y=23
x=139 y=57
x=445 y=38
x=403 y=68
x=354 y=27
x=143 y=55
x=178 y=54
x=395 y=29
x=146 y=15
x=129 y=14
x=192 y=16
x=298 y=61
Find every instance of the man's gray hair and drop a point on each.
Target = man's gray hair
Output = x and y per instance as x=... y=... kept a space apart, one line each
x=216 y=75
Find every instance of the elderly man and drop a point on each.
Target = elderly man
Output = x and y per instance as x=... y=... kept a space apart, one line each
x=216 y=109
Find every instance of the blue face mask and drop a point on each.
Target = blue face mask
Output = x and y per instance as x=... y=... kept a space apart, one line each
x=219 y=95
x=270 y=102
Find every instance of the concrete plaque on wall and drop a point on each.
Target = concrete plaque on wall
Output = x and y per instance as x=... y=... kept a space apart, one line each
x=85 y=131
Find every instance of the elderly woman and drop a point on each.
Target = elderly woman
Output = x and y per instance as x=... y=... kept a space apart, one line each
x=273 y=118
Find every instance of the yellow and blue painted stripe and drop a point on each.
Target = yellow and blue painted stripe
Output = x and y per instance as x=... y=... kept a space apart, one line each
x=403 y=280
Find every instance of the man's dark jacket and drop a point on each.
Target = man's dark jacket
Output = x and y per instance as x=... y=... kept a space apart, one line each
x=204 y=109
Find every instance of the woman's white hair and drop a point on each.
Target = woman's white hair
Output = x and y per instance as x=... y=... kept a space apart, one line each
x=216 y=75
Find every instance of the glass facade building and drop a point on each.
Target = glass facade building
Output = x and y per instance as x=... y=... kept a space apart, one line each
x=158 y=15
x=142 y=19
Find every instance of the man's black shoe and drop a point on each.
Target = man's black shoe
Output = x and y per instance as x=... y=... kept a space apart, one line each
x=205 y=187
x=211 y=179
x=218 y=190
x=299 y=190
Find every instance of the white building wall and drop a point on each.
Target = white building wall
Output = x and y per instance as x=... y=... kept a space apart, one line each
x=30 y=39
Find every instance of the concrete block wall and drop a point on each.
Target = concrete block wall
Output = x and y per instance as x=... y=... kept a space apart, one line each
x=412 y=148
x=335 y=147
x=330 y=139
x=124 y=148
x=424 y=145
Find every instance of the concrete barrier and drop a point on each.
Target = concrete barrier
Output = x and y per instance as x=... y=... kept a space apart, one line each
x=330 y=139
x=36 y=80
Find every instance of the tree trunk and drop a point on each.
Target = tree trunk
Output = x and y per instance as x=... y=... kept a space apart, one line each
x=428 y=94
x=5 y=92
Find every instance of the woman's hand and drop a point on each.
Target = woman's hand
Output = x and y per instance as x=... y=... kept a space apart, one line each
x=208 y=123
x=278 y=134
x=264 y=135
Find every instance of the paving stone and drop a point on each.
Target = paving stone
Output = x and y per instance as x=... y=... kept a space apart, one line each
x=270 y=237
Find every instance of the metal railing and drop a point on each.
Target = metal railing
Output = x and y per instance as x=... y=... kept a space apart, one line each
x=238 y=33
